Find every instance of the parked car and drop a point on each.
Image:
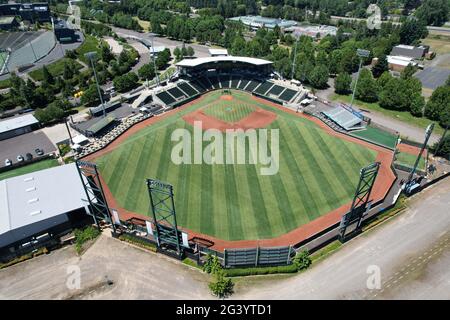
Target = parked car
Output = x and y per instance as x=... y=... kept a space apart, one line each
x=8 y=163
x=29 y=156
x=39 y=152
x=19 y=158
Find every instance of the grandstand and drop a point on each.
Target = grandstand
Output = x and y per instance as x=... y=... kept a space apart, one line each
x=24 y=48
x=344 y=119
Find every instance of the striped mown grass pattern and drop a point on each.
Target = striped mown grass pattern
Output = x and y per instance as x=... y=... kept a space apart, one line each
x=317 y=173
x=229 y=111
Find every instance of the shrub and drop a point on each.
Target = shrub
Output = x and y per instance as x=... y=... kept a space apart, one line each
x=302 y=260
x=212 y=264
x=242 y=272
x=221 y=287
x=82 y=236
x=138 y=242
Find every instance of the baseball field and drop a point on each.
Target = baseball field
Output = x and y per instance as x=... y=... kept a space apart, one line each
x=318 y=172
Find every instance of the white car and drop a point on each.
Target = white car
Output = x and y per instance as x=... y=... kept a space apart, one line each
x=19 y=158
x=8 y=163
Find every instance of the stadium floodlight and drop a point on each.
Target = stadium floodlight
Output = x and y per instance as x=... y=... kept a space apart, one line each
x=91 y=56
x=152 y=35
x=361 y=53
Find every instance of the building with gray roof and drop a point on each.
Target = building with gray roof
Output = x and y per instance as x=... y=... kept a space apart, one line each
x=409 y=51
x=256 y=22
x=39 y=204
x=18 y=125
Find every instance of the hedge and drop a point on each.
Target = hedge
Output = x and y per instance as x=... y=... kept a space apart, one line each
x=240 y=272
x=138 y=242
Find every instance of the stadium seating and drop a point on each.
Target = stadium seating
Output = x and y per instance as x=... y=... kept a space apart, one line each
x=27 y=47
x=287 y=94
x=235 y=82
x=276 y=90
x=188 y=89
x=176 y=93
x=165 y=97
x=344 y=118
x=198 y=86
x=243 y=84
x=252 y=85
x=263 y=88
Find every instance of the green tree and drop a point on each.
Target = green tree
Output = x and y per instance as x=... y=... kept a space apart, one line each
x=434 y=12
x=412 y=30
x=408 y=71
x=302 y=260
x=146 y=72
x=90 y=96
x=367 y=88
x=47 y=76
x=417 y=105
x=221 y=287
x=380 y=67
x=178 y=54
x=190 y=51
x=438 y=105
x=342 y=83
x=126 y=82
x=68 y=73
x=319 y=77
x=106 y=53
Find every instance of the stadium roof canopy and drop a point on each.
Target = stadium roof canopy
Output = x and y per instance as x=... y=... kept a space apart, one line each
x=32 y=202
x=207 y=60
x=17 y=123
x=259 y=22
x=344 y=118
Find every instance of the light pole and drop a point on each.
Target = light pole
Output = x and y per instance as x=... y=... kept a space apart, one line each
x=91 y=56
x=361 y=54
x=295 y=58
x=154 y=60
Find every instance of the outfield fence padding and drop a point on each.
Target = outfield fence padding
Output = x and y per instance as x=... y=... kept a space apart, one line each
x=258 y=256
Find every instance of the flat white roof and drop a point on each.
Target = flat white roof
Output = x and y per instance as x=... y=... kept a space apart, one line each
x=199 y=61
x=223 y=52
x=39 y=195
x=401 y=61
x=79 y=139
x=17 y=122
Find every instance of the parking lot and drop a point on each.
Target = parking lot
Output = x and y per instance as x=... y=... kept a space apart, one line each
x=433 y=77
x=11 y=148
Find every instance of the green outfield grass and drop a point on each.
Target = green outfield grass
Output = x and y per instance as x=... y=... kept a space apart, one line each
x=229 y=112
x=376 y=135
x=317 y=173
x=36 y=166
x=408 y=160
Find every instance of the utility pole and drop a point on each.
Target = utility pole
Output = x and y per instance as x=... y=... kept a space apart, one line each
x=154 y=60
x=68 y=130
x=91 y=56
x=361 y=54
x=295 y=58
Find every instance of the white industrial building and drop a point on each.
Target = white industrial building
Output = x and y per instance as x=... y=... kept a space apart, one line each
x=38 y=206
x=18 y=125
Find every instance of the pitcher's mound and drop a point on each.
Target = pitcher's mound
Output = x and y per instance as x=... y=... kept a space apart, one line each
x=226 y=97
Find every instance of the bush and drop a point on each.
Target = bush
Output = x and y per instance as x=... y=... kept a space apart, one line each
x=242 y=272
x=212 y=264
x=302 y=260
x=64 y=149
x=83 y=236
x=138 y=242
x=221 y=287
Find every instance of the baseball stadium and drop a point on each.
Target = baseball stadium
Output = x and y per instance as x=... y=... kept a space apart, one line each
x=233 y=205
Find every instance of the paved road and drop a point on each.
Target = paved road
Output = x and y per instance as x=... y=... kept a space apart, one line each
x=412 y=252
x=200 y=50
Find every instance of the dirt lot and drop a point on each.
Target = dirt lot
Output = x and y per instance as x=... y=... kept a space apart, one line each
x=135 y=274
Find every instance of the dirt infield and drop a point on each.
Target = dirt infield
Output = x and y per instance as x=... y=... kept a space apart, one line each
x=259 y=119
x=226 y=97
x=406 y=148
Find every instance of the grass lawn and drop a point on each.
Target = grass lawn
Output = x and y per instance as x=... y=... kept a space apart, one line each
x=403 y=116
x=143 y=23
x=36 y=166
x=55 y=68
x=378 y=136
x=408 y=160
x=90 y=43
x=229 y=112
x=439 y=44
x=317 y=173
x=5 y=84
